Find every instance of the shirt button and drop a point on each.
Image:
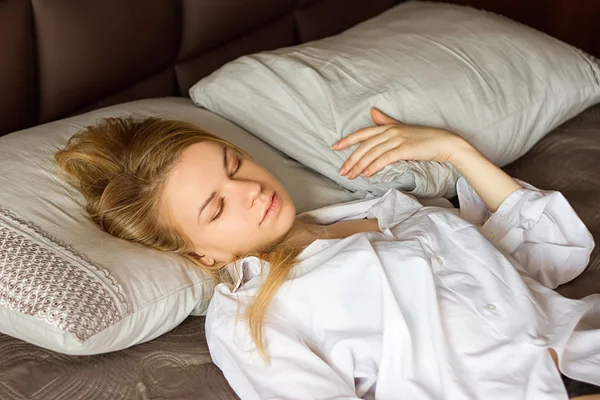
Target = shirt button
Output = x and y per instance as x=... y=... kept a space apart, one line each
x=491 y=307
x=439 y=260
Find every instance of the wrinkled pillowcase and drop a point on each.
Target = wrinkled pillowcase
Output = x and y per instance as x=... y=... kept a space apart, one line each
x=68 y=286
x=499 y=84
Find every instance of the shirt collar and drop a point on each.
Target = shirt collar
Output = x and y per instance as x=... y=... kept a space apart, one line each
x=390 y=209
x=243 y=270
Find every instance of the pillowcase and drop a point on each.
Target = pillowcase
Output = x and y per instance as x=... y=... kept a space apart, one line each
x=499 y=84
x=68 y=286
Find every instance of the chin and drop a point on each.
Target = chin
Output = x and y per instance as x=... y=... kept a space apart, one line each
x=288 y=209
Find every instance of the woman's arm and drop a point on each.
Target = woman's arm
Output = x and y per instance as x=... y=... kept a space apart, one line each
x=491 y=183
x=390 y=141
x=538 y=228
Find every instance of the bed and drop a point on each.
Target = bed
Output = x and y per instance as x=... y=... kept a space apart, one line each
x=55 y=65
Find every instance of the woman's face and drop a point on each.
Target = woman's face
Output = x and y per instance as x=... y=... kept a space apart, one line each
x=228 y=206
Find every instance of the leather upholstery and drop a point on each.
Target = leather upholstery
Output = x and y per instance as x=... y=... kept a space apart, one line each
x=63 y=57
x=88 y=49
x=17 y=66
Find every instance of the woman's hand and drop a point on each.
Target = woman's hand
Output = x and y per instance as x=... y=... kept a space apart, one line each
x=390 y=141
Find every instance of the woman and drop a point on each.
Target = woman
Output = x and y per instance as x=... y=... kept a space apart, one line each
x=379 y=299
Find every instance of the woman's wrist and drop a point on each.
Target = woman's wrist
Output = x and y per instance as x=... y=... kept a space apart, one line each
x=460 y=152
x=491 y=183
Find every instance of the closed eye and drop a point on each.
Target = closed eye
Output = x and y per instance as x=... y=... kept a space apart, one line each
x=221 y=208
x=237 y=168
x=222 y=204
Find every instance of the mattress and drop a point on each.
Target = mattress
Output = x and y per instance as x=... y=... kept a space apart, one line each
x=177 y=365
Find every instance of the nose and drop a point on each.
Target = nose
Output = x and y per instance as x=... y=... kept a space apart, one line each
x=249 y=191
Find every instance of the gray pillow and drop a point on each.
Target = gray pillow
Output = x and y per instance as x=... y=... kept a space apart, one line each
x=499 y=84
x=68 y=286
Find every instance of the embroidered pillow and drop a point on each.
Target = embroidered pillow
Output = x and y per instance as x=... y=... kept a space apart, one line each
x=68 y=286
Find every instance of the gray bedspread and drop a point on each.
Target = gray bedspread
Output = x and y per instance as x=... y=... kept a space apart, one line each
x=178 y=366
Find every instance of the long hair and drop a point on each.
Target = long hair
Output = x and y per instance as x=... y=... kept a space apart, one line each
x=121 y=166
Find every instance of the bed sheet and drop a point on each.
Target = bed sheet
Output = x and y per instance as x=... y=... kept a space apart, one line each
x=177 y=365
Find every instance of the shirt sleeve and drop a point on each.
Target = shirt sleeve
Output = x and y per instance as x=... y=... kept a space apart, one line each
x=294 y=371
x=538 y=228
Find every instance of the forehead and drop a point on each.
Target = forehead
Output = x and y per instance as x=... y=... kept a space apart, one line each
x=193 y=177
x=198 y=163
x=200 y=153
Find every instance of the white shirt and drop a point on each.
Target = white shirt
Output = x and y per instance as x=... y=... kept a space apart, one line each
x=441 y=304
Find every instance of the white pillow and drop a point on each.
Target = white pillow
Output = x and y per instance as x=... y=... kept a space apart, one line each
x=68 y=286
x=499 y=84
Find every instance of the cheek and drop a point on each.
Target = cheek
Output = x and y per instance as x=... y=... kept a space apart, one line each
x=240 y=230
x=289 y=208
x=285 y=221
x=291 y=218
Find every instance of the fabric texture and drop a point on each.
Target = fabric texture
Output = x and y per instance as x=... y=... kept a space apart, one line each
x=68 y=286
x=499 y=84
x=177 y=364
x=427 y=308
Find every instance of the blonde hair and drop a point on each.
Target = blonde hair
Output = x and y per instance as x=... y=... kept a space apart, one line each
x=121 y=165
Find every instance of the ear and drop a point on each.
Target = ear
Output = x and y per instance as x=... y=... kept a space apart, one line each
x=381 y=119
x=206 y=260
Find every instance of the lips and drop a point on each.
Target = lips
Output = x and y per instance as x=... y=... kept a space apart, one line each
x=272 y=208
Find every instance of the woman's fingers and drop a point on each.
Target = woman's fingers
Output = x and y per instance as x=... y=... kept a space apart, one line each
x=359 y=136
x=380 y=151
x=382 y=119
x=396 y=154
x=363 y=149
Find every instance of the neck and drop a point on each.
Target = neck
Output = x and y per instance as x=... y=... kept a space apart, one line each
x=302 y=234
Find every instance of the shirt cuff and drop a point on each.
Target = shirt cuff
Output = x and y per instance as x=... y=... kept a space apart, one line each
x=520 y=211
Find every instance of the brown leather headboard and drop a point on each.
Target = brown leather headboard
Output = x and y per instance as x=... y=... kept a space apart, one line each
x=61 y=57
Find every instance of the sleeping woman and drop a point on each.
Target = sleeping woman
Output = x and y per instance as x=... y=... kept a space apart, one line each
x=382 y=298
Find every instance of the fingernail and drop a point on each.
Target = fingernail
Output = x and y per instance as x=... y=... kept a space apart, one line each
x=342 y=170
x=334 y=146
x=366 y=172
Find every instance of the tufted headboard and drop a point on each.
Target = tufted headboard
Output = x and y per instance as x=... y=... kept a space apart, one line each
x=62 y=57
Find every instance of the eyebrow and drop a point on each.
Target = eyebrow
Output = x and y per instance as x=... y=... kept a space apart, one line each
x=213 y=194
